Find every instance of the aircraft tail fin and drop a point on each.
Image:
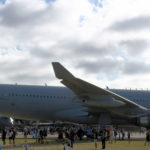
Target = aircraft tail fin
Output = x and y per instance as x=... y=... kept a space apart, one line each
x=61 y=72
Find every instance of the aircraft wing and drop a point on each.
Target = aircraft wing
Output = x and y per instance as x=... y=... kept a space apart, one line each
x=96 y=95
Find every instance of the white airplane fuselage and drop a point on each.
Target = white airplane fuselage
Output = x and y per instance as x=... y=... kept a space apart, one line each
x=53 y=103
x=40 y=103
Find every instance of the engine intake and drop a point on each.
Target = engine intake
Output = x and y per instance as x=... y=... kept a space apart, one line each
x=144 y=121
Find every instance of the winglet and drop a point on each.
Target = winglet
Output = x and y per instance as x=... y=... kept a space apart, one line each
x=61 y=72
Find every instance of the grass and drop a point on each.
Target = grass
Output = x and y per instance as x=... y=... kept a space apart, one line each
x=85 y=145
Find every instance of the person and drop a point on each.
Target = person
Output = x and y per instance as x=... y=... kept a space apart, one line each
x=67 y=138
x=103 y=138
x=129 y=136
x=45 y=135
x=72 y=137
x=4 y=136
x=88 y=133
x=119 y=135
x=95 y=135
x=147 y=137
x=60 y=134
x=115 y=134
x=33 y=133
x=80 y=133
x=123 y=133
x=25 y=134
x=108 y=134
x=10 y=133
x=36 y=133
x=111 y=135
x=41 y=136
x=13 y=136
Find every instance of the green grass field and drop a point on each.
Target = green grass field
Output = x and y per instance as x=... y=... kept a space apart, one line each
x=85 y=145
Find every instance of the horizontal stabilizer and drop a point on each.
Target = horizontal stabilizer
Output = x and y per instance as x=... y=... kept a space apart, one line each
x=61 y=72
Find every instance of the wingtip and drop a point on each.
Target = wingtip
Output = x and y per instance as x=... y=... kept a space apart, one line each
x=60 y=71
x=55 y=62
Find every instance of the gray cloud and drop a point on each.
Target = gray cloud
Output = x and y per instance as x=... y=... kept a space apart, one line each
x=71 y=48
x=42 y=52
x=104 y=66
x=13 y=66
x=136 y=67
x=27 y=70
x=29 y=78
x=134 y=47
x=79 y=52
x=89 y=48
x=83 y=49
x=138 y=23
x=17 y=15
x=111 y=67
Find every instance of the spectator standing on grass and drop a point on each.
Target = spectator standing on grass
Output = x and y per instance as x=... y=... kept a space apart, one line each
x=13 y=136
x=129 y=136
x=4 y=136
x=108 y=134
x=119 y=135
x=103 y=138
x=147 y=137
x=60 y=134
x=67 y=137
x=72 y=137
x=25 y=134
x=33 y=133
x=45 y=135
x=36 y=133
x=95 y=136
x=89 y=133
x=42 y=136
x=123 y=133
x=80 y=133
x=111 y=135
x=10 y=133
x=115 y=134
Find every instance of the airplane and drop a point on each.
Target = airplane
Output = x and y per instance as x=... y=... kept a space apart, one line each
x=78 y=102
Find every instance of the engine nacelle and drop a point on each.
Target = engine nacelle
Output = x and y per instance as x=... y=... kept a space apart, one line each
x=144 y=121
x=101 y=102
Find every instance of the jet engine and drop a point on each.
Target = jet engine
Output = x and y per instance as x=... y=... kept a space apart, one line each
x=102 y=101
x=144 y=121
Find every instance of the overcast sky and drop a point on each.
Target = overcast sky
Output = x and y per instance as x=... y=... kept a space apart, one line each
x=105 y=42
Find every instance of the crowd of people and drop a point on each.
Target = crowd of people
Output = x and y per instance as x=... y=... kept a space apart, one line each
x=11 y=133
x=67 y=135
x=38 y=133
x=106 y=134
